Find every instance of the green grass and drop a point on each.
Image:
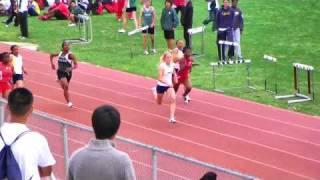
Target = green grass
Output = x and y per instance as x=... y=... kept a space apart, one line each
x=287 y=29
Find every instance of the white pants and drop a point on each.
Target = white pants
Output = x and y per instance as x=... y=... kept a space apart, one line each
x=237 y=37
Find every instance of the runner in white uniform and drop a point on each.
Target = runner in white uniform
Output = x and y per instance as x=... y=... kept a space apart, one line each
x=18 y=68
x=166 y=76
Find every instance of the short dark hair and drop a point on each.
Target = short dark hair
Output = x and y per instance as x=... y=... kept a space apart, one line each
x=209 y=176
x=13 y=46
x=20 y=101
x=169 y=1
x=63 y=43
x=105 y=121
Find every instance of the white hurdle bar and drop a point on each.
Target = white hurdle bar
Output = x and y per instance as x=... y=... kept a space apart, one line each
x=270 y=58
x=221 y=63
x=228 y=43
x=301 y=97
x=133 y=32
x=197 y=30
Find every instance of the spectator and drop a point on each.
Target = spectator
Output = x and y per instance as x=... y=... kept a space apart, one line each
x=76 y=10
x=225 y=25
x=209 y=176
x=13 y=16
x=148 y=18
x=6 y=71
x=100 y=160
x=213 y=8
x=34 y=9
x=58 y=10
x=169 y=22
x=238 y=27
x=130 y=6
x=31 y=149
x=23 y=18
x=187 y=20
x=179 y=5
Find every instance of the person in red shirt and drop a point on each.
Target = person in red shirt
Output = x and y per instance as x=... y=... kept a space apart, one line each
x=6 y=72
x=184 y=74
x=58 y=10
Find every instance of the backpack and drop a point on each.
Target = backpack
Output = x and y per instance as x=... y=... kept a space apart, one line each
x=9 y=167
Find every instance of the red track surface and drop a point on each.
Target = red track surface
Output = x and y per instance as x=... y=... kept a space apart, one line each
x=259 y=140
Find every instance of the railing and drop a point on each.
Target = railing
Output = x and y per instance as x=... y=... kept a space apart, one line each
x=150 y=162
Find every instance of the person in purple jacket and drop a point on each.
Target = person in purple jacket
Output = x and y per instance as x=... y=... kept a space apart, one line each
x=225 y=26
x=238 y=27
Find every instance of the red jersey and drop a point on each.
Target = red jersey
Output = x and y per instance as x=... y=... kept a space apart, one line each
x=185 y=68
x=6 y=72
x=179 y=3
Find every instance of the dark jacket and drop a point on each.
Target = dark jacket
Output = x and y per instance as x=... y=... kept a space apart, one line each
x=169 y=19
x=225 y=18
x=187 y=18
x=238 y=19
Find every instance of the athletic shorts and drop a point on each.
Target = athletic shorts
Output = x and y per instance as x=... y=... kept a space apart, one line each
x=132 y=9
x=162 y=89
x=17 y=77
x=150 y=30
x=5 y=86
x=168 y=34
x=63 y=74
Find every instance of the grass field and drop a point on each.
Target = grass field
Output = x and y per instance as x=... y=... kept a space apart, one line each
x=287 y=29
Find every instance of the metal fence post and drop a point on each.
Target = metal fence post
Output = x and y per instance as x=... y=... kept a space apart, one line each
x=65 y=146
x=154 y=164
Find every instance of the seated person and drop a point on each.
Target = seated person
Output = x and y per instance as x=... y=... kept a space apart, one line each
x=34 y=9
x=58 y=10
x=75 y=11
x=97 y=8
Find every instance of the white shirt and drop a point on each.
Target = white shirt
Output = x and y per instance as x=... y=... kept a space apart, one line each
x=23 y=5
x=167 y=74
x=17 y=64
x=30 y=151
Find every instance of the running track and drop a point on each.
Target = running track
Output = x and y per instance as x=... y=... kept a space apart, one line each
x=256 y=139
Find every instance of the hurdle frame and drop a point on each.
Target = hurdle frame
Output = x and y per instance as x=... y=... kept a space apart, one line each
x=274 y=61
x=134 y=32
x=247 y=62
x=85 y=31
x=228 y=43
x=194 y=31
x=299 y=97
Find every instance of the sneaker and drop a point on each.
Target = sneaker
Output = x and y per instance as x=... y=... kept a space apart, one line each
x=22 y=37
x=146 y=52
x=172 y=120
x=6 y=25
x=121 y=31
x=187 y=99
x=72 y=25
x=154 y=51
x=70 y=104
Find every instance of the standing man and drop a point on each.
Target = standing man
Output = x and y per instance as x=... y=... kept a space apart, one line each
x=225 y=26
x=179 y=5
x=186 y=21
x=100 y=160
x=23 y=18
x=238 y=27
x=213 y=7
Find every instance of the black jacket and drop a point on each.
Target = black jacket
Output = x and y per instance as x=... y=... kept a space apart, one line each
x=187 y=18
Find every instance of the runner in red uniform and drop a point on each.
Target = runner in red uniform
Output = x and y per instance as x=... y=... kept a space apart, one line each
x=6 y=72
x=184 y=75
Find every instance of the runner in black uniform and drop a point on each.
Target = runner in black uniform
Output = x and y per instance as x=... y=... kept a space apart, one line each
x=66 y=63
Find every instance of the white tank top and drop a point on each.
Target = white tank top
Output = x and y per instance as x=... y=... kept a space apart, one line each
x=17 y=64
x=167 y=74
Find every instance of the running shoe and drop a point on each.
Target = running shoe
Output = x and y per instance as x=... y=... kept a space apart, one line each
x=146 y=52
x=187 y=99
x=121 y=31
x=154 y=51
x=70 y=104
x=172 y=120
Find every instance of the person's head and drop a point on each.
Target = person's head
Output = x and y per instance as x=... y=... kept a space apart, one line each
x=168 y=4
x=234 y=3
x=65 y=46
x=5 y=57
x=73 y=4
x=187 y=52
x=14 y=50
x=147 y=3
x=105 y=122
x=209 y=176
x=20 y=104
x=180 y=44
x=166 y=57
x=226 y=4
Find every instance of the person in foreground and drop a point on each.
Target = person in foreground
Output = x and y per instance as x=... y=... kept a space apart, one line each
x=66 y=63
x=100 y=160
x=30 y=149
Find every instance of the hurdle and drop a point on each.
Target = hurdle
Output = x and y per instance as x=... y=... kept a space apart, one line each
x=135 y=32
x=85 y=31
x=228 y=43
x=194 y=31
x=298 y=97
x=216 y=65
x=273 y=61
